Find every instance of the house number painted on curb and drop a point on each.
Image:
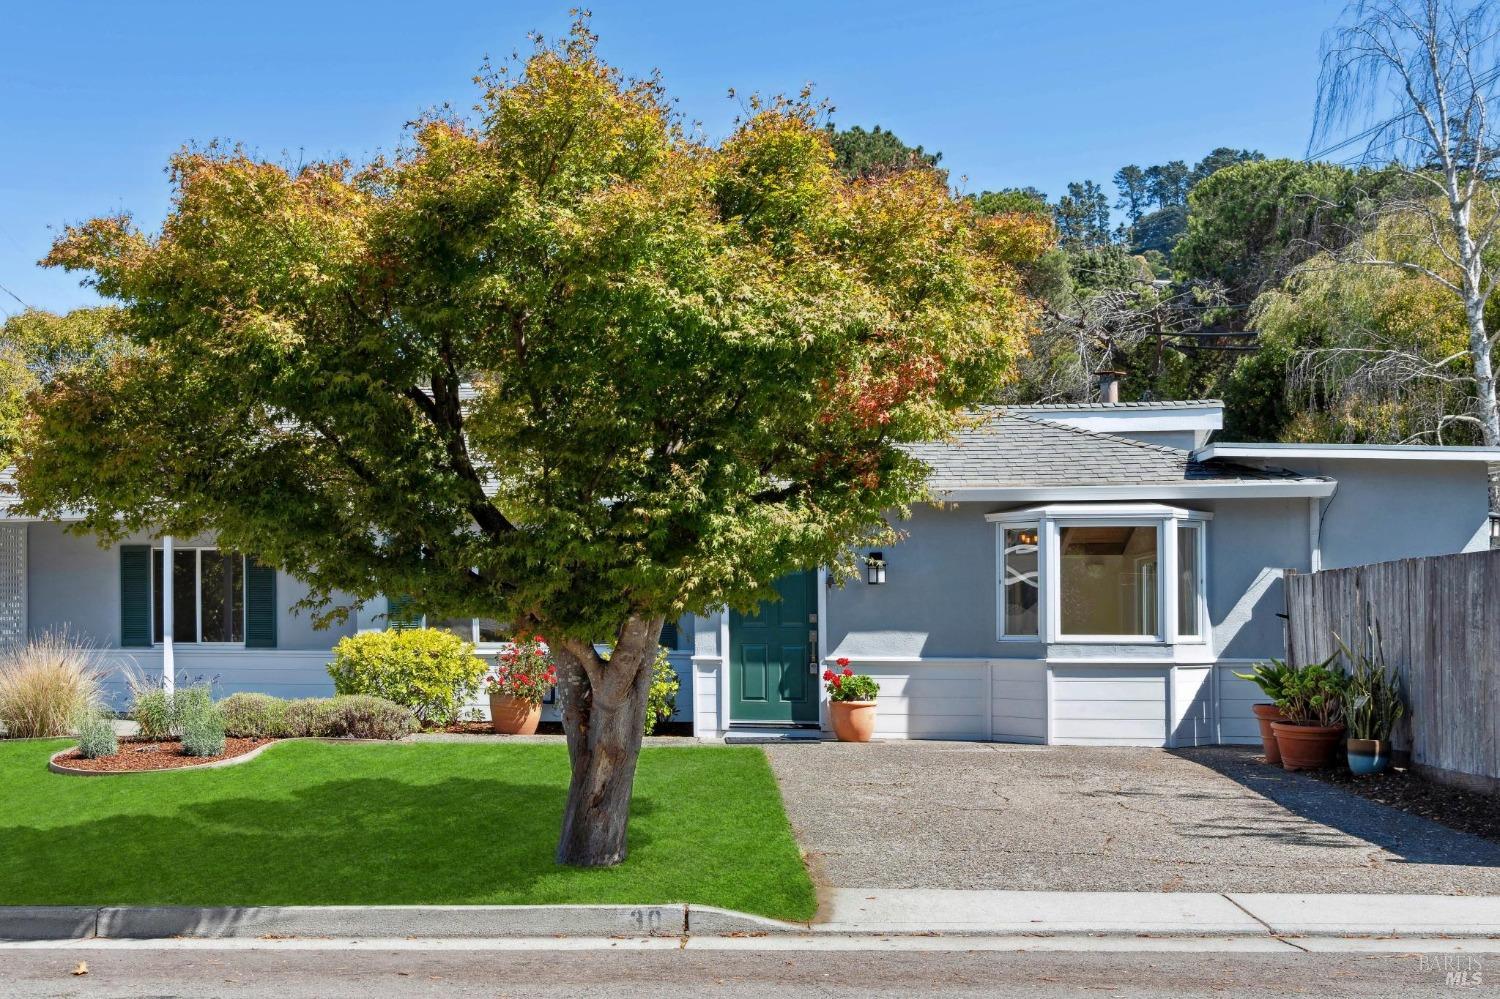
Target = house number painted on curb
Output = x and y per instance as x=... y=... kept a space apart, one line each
x=646 y=920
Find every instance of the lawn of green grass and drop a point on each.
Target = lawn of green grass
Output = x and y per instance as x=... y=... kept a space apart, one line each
x=403 y=824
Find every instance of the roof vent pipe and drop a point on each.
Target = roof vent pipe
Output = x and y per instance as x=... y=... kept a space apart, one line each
x=1109 y=385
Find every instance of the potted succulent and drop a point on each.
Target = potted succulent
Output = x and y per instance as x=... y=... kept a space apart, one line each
x=523 y=674
x=1312 y=699
x=851 y=705
x=1270 y=678
x=1372 y=705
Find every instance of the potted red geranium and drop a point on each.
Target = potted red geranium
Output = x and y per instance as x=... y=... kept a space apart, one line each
x=851 y=698
x=523 y=674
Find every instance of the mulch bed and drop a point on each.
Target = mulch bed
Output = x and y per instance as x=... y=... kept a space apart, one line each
x=1472 y=812
x=138 y=755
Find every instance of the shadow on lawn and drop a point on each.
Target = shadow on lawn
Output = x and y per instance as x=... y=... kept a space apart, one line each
x=353 y=841
x=1325 y=815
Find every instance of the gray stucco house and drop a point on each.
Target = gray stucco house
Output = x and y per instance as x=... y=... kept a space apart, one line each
x=1086 y=574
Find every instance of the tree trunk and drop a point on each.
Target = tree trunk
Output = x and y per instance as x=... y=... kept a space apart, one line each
x=603 y=706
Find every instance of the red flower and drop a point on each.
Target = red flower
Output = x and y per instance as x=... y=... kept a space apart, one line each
x=538 y=639
x=842 y=661
x=828 y=674
x=838 y=681
x=848 y=671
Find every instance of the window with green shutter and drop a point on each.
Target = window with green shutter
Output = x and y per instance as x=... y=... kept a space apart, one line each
x=260 y=605
x=135 y=596
x=399 y=615
x=669 y=636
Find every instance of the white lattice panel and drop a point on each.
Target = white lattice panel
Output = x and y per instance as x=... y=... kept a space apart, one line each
x=12 y=583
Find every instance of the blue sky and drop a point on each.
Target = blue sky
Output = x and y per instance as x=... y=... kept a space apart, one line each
x=94 y=96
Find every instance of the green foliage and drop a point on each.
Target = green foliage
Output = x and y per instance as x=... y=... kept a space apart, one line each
x=843 y=684
x=152 y=711
x=199 y=722
x=96 y=736
x=1249 y=224
x=36 y=346
x=661 y=699
x=1082 y=216
x=250 y=715
x=1313 y=694
x=1159 y=231
x=858 y=153
x=694 y=367
x=524 y=670
x=1011 y=200
x=430 y=671
x=1271 y=677
x=1373 y=701
x=350 y=716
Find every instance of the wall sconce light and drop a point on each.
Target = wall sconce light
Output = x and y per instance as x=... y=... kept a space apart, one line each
x=875 y=568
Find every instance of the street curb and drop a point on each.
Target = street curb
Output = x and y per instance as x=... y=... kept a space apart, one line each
x=1273 y=916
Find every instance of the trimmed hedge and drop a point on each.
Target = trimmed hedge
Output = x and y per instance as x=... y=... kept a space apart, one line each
x=349 y=716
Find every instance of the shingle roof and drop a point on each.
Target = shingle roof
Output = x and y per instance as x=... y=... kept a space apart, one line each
x=1013 y=449
x=1055 y=407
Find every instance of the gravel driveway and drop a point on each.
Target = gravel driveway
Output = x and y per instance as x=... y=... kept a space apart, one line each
x=988 y=815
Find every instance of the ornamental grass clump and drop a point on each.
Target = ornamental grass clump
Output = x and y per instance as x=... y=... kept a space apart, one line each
x=46 y=684
x=199 y=722
x=96 y=736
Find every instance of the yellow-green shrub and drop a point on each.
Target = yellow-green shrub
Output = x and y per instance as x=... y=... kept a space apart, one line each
x=429 y=671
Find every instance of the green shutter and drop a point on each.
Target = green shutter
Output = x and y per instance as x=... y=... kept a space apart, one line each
x=260 y=606
x=399 y=615
x=669 y=636
x=135 y=596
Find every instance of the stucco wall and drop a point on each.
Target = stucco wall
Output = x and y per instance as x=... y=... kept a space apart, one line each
x=1385 y=510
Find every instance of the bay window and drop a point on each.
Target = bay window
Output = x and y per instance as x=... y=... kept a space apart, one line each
x=1127 y=573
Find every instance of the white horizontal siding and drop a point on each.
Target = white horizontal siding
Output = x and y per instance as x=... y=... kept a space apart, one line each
x=1018 y=702
x=1237 y=722
x=287 y=673
x=707 y=675
x=1192 y=706
x=930 y=701
x=1102 y=705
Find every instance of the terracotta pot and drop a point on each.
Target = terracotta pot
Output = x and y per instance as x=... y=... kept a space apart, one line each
x=513 y=716
x=1306 y=747
x=1368 y=756
x=1265 y=714
x=853 y=721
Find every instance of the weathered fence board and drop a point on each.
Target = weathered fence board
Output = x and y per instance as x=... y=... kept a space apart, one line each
x=1439 y=622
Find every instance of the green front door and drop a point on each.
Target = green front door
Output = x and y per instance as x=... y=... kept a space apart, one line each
x=773 y=657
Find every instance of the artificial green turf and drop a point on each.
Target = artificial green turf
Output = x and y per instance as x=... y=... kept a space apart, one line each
x=311 y=823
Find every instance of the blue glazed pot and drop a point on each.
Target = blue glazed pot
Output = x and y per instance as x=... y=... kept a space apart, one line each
x=1368 y=756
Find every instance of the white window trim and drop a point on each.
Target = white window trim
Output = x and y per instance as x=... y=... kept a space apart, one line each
x=1041 y=598
x=1050 y=519
x=166 y=575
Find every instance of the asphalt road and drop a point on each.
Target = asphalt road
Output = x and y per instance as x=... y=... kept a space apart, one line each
x=293 y=974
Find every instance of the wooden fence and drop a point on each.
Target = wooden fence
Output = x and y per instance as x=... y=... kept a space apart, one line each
x=1439 y=622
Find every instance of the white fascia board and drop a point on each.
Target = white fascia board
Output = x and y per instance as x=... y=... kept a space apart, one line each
x=1182 y=491
x=1126 y=421
x=1387 y=452
x=1092 y=511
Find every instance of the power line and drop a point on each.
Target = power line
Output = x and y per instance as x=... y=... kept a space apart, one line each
x=15 y=296
x=1480 y=82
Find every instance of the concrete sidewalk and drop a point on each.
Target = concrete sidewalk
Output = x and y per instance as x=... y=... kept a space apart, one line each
x=849 y=912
